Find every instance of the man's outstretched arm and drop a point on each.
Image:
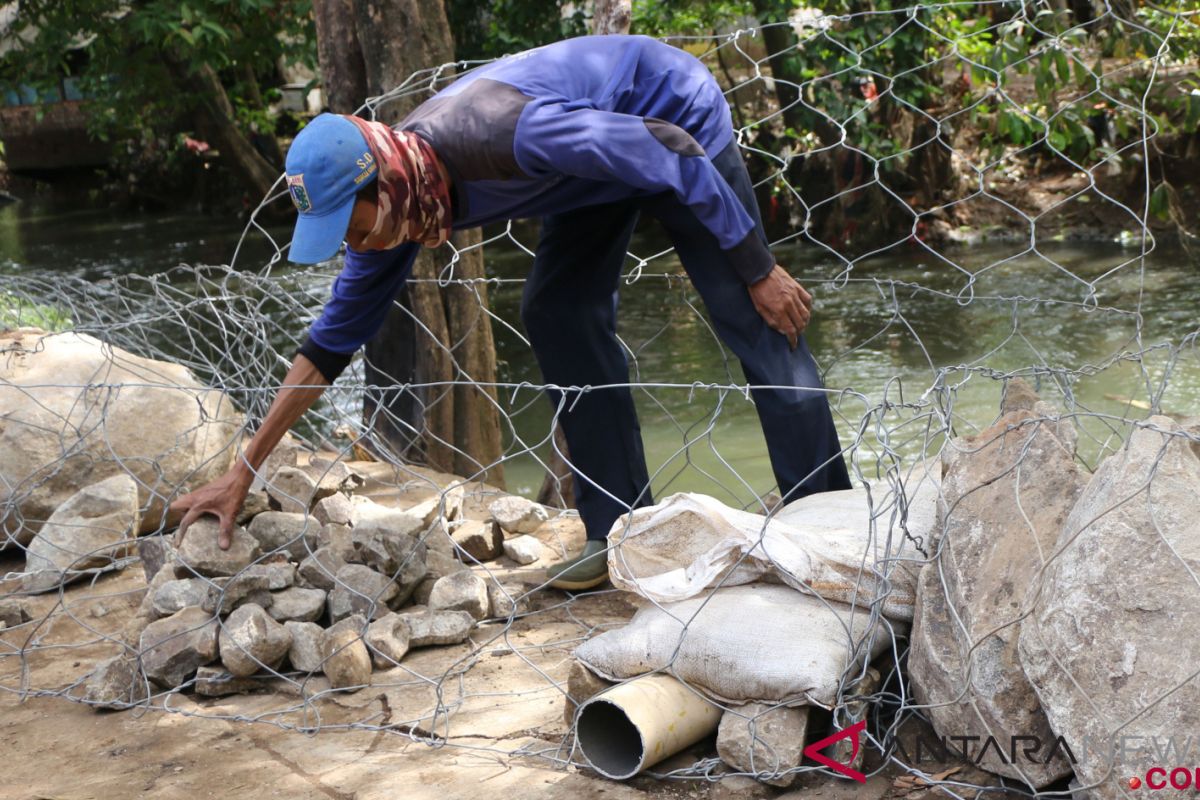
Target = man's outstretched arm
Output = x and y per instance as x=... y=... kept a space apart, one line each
x=224 y=496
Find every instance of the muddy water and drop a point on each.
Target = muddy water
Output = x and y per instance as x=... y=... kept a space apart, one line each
x=928 y=332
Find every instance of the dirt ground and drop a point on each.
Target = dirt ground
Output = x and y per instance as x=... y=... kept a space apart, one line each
x=481 y=718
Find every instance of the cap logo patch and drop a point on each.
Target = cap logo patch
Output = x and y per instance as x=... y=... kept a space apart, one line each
x=366 y=166
x=299 y=193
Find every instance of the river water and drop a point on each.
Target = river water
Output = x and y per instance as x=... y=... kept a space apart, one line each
x=929 y=332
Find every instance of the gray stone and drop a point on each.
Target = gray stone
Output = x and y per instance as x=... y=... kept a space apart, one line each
x=278 y=574
x=437 y=537
x=502 y=600
x=283 y=532
x=217 y=682
x=333 y=510
x=335 y=536
x=293 y=490
x=200 y=555
x=155 y=552
x=387 y=639
x=427 y=628
x=256 y=503
x=582 y=684
x=365 y=510
x=461 y=591
x=1005 y=495
x=523 y=549
x=176 y=595
x=763 y=740
x=439 y=564
x=321 y=568
x=445 y=505
x=77 y=411
x=172 y=649
x=420 y=595
x=251 y=640
x=390 y=552
x=308 y=646
x=91 y=529
x=360 y=590
x=478 y=540
x=297 y=604
x=332 y=476
x=347 y=661
x=354 y=622
x=245 y=587
x=115 y=683
x=517 y=515
x=1111 y=618
x=146 y=611
x=13 y=612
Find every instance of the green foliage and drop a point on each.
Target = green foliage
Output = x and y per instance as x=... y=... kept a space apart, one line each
x=16 y=312
x=134 y=59
x=656 y=18
x=500 y=27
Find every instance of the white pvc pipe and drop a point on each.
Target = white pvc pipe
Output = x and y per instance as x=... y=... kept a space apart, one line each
x=634 y=725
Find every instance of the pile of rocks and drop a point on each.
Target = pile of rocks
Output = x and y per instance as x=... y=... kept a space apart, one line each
x=318 y=578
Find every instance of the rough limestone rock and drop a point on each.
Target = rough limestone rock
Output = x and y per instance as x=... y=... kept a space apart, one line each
x=172 y=649
x=517 y=515
x=360 y=590
x=283 y=532
x=308 y=646
x=502 y=600
x=387 y=639
x=989 y=552
x=297 y=604
x=478 y=540
x=427 y=628
x=200 y=555
x=13 y=612
x=333 y=510
x=293 y=490
x=398 y=555
x=439 y=564
x=217 y=682
x=174 y=596
x=445 y=505
x=523 y=549
x=764 y=740
x=278 y=574
x=89 y=530
x=461 y=591
x=1107 y=644
x=420 y=595
x=230 y=593
x=321 y=568
x=332 y=476
x=76 y=411
x=256 y=503
x=364 y=510
x=347 y=661
x=155 y=552
x=251 y=640
x=582 y=685
x=115 y=683
x=336 y=536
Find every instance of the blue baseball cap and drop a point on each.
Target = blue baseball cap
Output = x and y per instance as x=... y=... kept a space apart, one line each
x=327 y=164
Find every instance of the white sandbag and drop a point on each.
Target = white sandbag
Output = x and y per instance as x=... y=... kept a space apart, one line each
x=754 y=643
x=824 y=543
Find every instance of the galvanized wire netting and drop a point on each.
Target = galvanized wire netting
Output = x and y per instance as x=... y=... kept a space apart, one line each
x=920 y=327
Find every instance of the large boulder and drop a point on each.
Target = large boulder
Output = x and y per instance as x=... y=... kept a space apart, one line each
x=75 y=411
x=89 y=530
x=172 y=649
x=1005 y=495
x=250 y=640
x=1106 y=640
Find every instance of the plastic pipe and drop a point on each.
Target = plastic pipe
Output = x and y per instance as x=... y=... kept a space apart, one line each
x=634 y=725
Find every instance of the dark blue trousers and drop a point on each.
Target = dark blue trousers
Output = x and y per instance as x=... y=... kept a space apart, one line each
x=570 y=313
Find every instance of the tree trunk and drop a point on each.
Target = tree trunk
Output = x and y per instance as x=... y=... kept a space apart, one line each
x=437 y=338
x=254 y=171
x=343 y=73
x=611 y=16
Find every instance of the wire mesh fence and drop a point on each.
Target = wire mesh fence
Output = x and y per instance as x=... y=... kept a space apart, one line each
x=936 y=233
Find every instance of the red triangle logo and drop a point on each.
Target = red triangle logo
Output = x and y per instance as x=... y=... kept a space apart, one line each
x=813 y=751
